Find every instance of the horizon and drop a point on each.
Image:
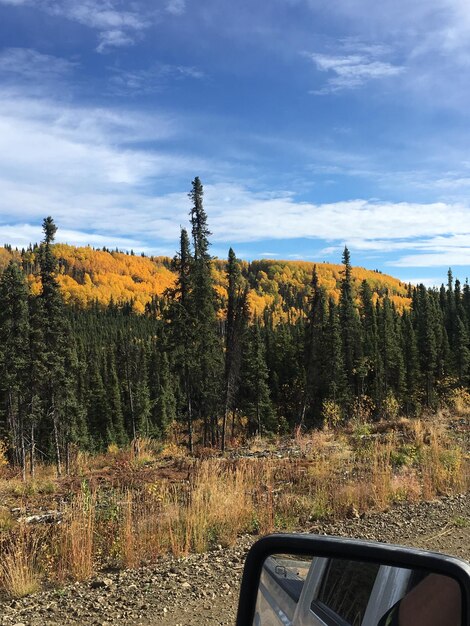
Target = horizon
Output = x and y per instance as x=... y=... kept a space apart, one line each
x=314 y=262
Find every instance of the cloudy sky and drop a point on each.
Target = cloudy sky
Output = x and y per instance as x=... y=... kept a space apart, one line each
x=312 y=124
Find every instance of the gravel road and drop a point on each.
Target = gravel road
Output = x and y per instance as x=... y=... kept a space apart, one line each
x=202 y=589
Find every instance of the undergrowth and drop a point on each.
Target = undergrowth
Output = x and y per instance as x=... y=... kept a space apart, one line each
x=129 y=507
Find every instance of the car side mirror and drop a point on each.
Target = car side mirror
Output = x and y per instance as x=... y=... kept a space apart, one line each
x=303 y=580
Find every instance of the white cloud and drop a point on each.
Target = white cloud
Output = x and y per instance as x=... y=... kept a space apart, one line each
x=417 y=235
x=83 y=167
x=116 y=27
x=449 y=258
x=22 y=235
x=113 y=39
x=144 y=81
x=31 y=68
x=353 y=70
x=176 y=7
x=434 y=281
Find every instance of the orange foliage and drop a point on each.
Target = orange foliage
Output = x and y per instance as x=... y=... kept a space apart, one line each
x=87 y=275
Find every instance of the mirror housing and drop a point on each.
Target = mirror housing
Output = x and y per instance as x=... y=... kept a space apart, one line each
x=348 y=550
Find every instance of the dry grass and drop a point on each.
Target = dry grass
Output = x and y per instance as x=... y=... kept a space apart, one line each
x=151 y=505
x=19 y=572
x=75 y=539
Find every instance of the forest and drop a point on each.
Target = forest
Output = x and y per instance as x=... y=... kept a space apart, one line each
x=208 y=351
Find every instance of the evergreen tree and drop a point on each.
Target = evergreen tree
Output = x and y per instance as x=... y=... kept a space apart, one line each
x=254 y=399
x=334 y=364
x=208 y=371
x=236 y=322
x=14 y=355
x=462 y=352
x=369 y=367
x=316 y=349
x=427 y=343
x=392 y=379
x=164 y=404
x=411 y=392
x=349 y=326
x=57 y=388
x=117 y=426
x=181 y=335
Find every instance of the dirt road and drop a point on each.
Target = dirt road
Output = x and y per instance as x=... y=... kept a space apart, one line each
x=202 y=590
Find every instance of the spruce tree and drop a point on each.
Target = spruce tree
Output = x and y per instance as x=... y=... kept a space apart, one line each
x=412 y=372
x=14 y=357
x=349 y=326
x=208 y=373
x=334 y=364
x=181 y=334
x=254 y=399
x=235 y=326
x=316 y=349
x=56 y=332
x=369 y=366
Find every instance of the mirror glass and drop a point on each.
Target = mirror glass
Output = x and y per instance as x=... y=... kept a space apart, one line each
x=304 y=590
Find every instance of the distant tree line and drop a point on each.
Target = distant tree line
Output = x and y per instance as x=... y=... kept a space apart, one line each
x=75 y=378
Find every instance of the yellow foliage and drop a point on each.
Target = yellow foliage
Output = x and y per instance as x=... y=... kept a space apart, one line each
x=86 y=275
x=3 y=454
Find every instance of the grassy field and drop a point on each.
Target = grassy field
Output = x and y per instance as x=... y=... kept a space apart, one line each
x=126 y=508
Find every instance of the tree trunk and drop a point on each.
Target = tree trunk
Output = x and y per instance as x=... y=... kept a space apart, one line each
x=23 y=455
x=224 y=426
x=32 y=453
x=67 y=458
x=56 y=441
x=190 y=426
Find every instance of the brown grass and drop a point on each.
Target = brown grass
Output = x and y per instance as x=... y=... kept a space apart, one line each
x=19 y=572
x=130 y=507
x=75 y=540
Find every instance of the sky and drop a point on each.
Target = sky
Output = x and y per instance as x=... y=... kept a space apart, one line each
x=313 y=124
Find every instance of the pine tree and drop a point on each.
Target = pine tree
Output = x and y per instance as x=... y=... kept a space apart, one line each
x=118 y=429
x=235 y=327
x=412 y=372
x=208 y=373
x=56 y=331
x=254 y=399
x=164 y=404
x=181 y=335
x=349 y=326
x=98 y=411
x=427 y=343
x=14 y=355
x=316 y=349
x=462 y=352
x=334 y=364
x=390 y=351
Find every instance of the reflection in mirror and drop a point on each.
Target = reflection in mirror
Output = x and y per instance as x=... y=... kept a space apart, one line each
x=317 y=591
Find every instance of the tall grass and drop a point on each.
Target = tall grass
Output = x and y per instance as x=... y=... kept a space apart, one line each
x=139 y=516
x=19 y=570
x=75 y=539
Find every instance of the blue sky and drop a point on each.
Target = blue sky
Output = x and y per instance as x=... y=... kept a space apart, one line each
x=312 y=125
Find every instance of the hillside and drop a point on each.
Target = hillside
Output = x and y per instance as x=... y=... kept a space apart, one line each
x=87 y=275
